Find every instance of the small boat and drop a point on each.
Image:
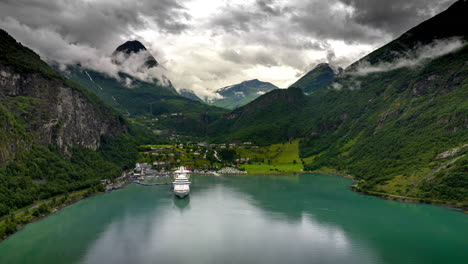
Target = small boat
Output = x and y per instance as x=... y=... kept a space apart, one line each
x=181 y=183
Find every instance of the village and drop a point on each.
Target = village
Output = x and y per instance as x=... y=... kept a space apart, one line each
x=200 y=157
x=157 y=163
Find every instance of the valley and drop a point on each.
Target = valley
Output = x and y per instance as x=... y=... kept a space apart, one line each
x=395 y=121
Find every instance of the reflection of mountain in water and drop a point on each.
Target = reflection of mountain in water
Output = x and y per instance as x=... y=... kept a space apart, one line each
x=243 y=219
x=221 y=224
x=328 y=200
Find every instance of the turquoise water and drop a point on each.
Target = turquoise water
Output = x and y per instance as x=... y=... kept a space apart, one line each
x=243 y=219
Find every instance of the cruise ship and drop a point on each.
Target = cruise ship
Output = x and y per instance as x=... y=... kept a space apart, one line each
x=181 y=183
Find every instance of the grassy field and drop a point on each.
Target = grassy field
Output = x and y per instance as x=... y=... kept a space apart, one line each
x=157 y=146
x=277 y=158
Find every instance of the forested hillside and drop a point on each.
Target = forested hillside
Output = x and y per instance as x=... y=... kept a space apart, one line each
x=271 y=118
x=388 y=119
x=56 y=137
x=319 y=77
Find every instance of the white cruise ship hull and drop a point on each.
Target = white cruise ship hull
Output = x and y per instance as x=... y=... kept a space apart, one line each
x=181 y=194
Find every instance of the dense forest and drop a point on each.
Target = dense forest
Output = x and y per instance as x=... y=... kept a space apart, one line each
x=46 y=172
x=56 y=136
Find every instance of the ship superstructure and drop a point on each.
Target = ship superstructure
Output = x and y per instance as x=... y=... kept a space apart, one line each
x=181 y=182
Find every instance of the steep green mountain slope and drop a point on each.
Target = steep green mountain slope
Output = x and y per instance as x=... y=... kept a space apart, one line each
x=144 y=98
x=237 y=95
x=271 y=118
x=319 y=77
x=390 y=131
x=402 y=129
x=55 y=136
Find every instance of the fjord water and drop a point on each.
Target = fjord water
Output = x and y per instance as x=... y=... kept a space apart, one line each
x=243 y=219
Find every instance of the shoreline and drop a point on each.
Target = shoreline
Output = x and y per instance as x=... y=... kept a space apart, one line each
x=405 y=199
x=56 y=209
x=392 y=197
x=385 y=196
x=354 y=187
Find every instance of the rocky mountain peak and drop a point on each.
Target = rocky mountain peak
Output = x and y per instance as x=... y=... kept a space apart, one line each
x=317 y=78
x=133 y=47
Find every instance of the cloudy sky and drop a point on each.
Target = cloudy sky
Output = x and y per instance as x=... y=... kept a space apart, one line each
x=207 y=44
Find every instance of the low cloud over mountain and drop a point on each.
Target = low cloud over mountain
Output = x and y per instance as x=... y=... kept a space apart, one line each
x=205 y=44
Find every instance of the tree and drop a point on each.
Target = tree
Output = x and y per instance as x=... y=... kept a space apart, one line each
x=227 y=154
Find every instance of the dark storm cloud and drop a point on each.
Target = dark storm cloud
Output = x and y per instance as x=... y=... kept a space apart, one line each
x=96 y=23
x=236 y=19
x=353 y=21
x=300 y=34
x=330 y=20
x=395 y=16
x=67 y=32
x=233 y=40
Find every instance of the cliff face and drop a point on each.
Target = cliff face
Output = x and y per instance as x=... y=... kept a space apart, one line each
x=36 y=108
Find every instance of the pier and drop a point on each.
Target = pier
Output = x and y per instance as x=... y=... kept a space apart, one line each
x=151 y=184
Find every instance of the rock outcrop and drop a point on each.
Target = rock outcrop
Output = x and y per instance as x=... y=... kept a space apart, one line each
x=37 y=108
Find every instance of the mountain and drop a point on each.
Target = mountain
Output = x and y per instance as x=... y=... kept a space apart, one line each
x=55 y=136
x=131 y=46
x=142 y=98
x=446 y=25
x=396 y=119
x=317 y=78
x=134 y=47
x=124 y=92
x=37 y=100
x=237 y=95
x=132 y=100
x=190 y=95
x=268 y=119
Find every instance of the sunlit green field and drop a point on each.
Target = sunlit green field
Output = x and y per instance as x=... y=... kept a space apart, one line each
x=272 y=169
x=275 y=158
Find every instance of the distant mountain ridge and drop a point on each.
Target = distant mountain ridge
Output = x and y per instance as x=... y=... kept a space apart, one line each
x=190 y=95
x=119 y=92
x=138 y=98
x=267 y=119
x=240 y=94
x=317 y=78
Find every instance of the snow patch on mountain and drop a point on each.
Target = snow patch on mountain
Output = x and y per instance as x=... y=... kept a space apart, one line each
x=239 y=94
x=89 y=76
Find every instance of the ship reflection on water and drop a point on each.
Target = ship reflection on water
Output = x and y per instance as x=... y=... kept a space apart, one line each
x=182 y=204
